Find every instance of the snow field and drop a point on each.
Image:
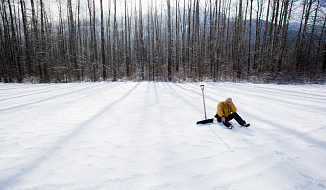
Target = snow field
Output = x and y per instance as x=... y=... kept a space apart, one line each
x=142 y=135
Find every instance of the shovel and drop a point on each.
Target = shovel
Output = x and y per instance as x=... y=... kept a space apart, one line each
x=205 y=120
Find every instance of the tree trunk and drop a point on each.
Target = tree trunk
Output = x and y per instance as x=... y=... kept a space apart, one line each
x=103 y=43
x=169 y=42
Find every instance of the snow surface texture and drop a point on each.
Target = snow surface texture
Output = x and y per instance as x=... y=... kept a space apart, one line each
x=129 y=135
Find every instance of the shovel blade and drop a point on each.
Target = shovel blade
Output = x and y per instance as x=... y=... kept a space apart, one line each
x=205 y=121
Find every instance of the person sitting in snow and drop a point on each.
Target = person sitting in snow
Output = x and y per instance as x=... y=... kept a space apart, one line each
x=226 y=111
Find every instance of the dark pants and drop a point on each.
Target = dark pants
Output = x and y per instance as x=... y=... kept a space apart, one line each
x=233 y=115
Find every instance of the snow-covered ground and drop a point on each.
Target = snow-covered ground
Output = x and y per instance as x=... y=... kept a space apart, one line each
x=142 y=135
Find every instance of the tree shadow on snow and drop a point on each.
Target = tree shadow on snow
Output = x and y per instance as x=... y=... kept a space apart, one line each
x=9 y=182
x=216 y=129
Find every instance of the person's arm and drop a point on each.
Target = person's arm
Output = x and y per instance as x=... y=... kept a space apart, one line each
x=220 y=109
x=233 y=108
x=220 y=112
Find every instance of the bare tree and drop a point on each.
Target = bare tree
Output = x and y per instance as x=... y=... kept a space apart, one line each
x=284 y=34
x=220 y=40
x=169 y=42
x=103 y=43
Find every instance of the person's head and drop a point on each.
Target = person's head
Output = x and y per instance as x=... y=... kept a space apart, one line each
x=228 y=101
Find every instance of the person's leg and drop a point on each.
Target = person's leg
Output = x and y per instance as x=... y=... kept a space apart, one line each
x=219 y=119
x=237 y=117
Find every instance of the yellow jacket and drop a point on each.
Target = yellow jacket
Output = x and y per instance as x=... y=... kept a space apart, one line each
x=224 y=110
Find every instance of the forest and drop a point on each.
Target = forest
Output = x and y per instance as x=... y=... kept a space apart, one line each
x=269 y=41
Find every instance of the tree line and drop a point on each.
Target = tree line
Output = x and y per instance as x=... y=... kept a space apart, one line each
x=177 y=40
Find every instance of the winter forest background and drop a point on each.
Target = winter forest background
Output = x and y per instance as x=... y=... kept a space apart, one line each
x=172 y=40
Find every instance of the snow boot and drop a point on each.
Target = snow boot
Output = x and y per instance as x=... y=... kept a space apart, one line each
x=244 y=124
x=228 y=124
